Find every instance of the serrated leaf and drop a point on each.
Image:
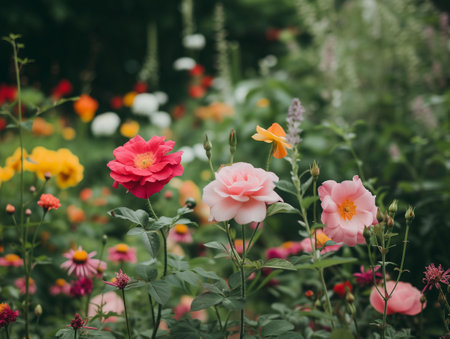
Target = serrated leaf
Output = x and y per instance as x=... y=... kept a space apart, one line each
x=281 y=207
x=146 y=272
x=160 y=291
x=205 y=300
x=275 y=328
x=152 y=243
x=138 y=217
x=286 y=186
x=279 y=264
x=328 y=262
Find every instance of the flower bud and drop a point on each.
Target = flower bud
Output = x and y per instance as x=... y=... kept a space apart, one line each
x=393 y=207
x=32 y=189
x=38 y=310
x=190 y=203
x=28 y=212
x=380 y=216
x=233 y=140
x=390 y=222
x=104 y=239
x=366 y=233
x=47 y=176
x=349 y=297
x=207 y=146
x=168 y=195
x=409 y=215
x=314 y=170
x=10 y=209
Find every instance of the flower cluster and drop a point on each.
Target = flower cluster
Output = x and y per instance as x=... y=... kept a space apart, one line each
x=7 y=315
x=48 y=202
x=120 y=281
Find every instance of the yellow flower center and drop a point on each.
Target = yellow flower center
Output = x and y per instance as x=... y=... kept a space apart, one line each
x=321 y=239
x=12 y=257
x=122 y=248
x=60 y=282
x=347 y=209
x=181 y=229
x=80 y=257
x=144 y=160
x=287 y=244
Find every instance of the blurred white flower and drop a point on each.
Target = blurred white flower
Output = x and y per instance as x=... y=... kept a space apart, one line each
x=194 y=41
x=199 y=151
x=105 y=124
x=145 y=104
x=161 y=119
x=184 y=64
x=161 y=97
x=188 y=154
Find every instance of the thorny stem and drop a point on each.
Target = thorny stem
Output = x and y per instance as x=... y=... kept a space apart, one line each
x=126 y=313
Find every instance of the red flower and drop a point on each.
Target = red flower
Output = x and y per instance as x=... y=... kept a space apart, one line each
x=197 y=70
x=116 y=102
x=7 y=93
x=2 y=124
x=196 y=92
x=143 y=167
x=207 y=81
x=48 y=201
x=140 y=87
x=342 y=288
x=63 y=88
x=179 y=111
x=78 y=323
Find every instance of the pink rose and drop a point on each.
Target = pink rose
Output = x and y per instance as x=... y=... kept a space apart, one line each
x=404 y=300
x=242 y=192
x=143 y=167
x=347 y=208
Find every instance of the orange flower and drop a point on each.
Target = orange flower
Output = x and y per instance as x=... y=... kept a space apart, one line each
x=85 y=107
x=42 y=127
x=276 y=134
x=217 y=111
x=75 y=214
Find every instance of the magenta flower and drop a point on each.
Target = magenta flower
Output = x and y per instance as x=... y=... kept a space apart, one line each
x=120 y=281
x=404 y=300
x=366 y=277
x=78 y=323
x=122 y=253
x=11 y=259
x=347 y=208
x=180 y=233
x=81 y=287
x=81 y=263
x=240 y=192
x=143 y=167
x=435 y=275
x=276 y=252
x=7 y=315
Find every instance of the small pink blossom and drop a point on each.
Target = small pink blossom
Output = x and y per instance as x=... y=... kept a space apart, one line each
x=276 y=252
x=60 y=287
x=20 y=284
x=435 y=275
x=11 y=260
x=404 y=300
x=238 y=246
x=347 y=208
x=120 y=281
x=366 y=277
x=184 y=306
x=78 y=323
x=122 y=253
x=240 y=192
x=108 y=302
x=181 y=233
x=292 y=247
x=81 y=263
x=81 y=287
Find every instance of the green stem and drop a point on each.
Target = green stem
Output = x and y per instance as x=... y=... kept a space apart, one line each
x=272 y=148
x=75 y=333
x=315 y=202
x=153 y=311
x=405 y=242
x=126 y=313
x=358 y=162
x=234 y=254
x=329 y=310
x=253 y=235
x=7 y=333
x=242 y=269
x=151 y=209
x=444 y=298
x=218 y=318
x=158 y=317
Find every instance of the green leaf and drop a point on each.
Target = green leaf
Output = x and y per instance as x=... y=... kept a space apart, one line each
x=307 y=201
x=136 y=230
x=233 y=303
x=206 y=274
x=280 y=264
x=341 y=333
x=275 y=328
x=152 y=243
x=316 y=314
x=139 y=217
x=146 y=272
x=189 y=277
x=281 y=207
x=161 y=223
x=205 y=300
x=160 y=291
x=306 y=185
x=327 y=263
x=286 y=186
x=215 y=244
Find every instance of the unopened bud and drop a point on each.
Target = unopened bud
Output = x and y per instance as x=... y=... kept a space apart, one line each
x=32 y=189
x=423 y=299
x=390 y=222
x=350 y=298
x=28 y=212
x=104 y=239
x=47 y=175
x=190 y=203
x=233 y=140
x=10 y=209
x=207 y=146
x=380 y=216
x=314 y=170
x=409 y=215
x=393 y=207
x=38 y=310
x=168 y=195
x=366 y=234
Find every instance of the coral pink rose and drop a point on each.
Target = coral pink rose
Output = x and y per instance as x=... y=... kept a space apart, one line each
x=404 y=300
x=347 y=208
x=143 y=167
x=242 y=192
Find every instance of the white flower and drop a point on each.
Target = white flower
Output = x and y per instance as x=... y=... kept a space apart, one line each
x=184 y=64
x=161 y=97
x=199 y=151
x=105 y=124
x=188 y=154
x=145 y=104
x=161 y=119
x=194 y=41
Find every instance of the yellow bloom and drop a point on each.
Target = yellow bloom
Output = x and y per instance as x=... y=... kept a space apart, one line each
x=129 y=129
x=43 y=161
x=13 y=161
x=129 y=98
x=263 y=102
x=6 y=174
x=68 y=133
x=71 y=172
x=276 y=134
x=217 y=111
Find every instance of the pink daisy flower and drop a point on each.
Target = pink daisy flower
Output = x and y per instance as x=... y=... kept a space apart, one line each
x=60 y=287
x=11 y=260
x=180 y=233
x=347 y=208
x=20 y=284
x=81 y=263
x=122 y=253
